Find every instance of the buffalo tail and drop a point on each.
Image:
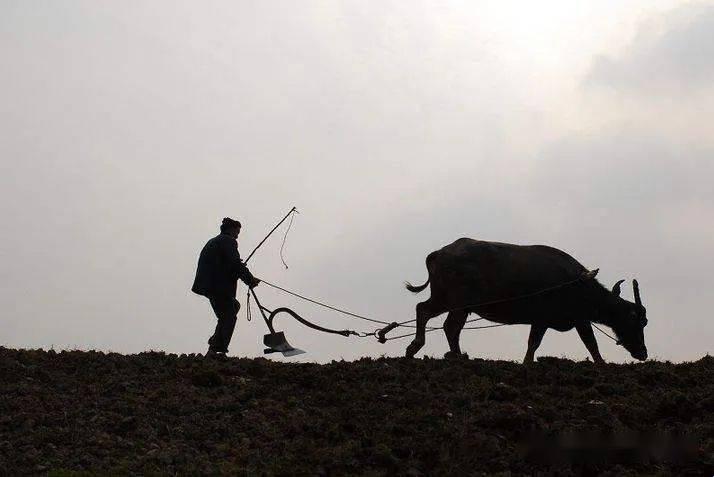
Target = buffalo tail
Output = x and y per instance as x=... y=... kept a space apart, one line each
x=414 y=289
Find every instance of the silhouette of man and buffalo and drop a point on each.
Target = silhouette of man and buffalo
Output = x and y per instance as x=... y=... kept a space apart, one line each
x=536 y=285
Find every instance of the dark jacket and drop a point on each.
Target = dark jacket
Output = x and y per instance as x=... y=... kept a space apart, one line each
x=219 y=268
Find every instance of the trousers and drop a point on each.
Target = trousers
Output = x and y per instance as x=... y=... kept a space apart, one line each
x=226 y=310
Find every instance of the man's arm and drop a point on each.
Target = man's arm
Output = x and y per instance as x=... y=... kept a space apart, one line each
x=230 y=249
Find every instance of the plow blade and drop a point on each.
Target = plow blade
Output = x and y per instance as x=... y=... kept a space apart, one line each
x=276 y=343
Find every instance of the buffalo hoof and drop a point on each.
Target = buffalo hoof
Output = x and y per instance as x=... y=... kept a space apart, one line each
x=455 y=355
x=412 y=349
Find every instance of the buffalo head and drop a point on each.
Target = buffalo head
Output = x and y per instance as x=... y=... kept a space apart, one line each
x=630 y=323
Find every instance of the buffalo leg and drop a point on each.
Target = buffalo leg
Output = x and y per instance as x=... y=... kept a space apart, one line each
x=452 y=328
x=534 y=339
x=424 y=313
x=585 y=330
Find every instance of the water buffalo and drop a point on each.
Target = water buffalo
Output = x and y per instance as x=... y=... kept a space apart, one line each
x=525 y=284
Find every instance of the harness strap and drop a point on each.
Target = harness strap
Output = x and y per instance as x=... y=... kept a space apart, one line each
x=606 y=333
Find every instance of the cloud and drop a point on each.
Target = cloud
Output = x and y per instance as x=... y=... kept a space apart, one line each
x=634 y=199
x=675 y=50
x=634 y=170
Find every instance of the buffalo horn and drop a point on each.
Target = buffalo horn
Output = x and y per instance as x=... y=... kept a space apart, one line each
x=636 y=287
x=617 y=289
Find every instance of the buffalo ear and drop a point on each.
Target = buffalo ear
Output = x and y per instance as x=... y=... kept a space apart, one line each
x=636 y=287
x=617 y=289
x=591 y=274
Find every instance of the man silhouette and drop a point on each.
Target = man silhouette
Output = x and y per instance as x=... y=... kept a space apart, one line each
x=219 y=268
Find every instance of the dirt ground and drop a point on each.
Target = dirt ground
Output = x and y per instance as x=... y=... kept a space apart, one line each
x=88 y=413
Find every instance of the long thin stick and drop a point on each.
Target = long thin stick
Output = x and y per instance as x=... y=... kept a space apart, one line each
x=270 y=233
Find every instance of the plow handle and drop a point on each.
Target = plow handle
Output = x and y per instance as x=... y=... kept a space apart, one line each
x=268 y=322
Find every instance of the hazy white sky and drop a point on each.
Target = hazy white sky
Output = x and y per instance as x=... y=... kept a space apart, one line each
x=129 y=129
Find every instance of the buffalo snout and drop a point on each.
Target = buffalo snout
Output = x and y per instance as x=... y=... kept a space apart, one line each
x=640 y=354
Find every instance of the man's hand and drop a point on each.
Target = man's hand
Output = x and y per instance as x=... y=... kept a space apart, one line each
x=254 y=283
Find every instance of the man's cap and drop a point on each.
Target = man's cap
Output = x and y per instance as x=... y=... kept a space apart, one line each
x=229 y=223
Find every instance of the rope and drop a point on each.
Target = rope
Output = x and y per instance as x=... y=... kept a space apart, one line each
x=248 y=314
x=285 y=237
x=435 y=329
x=404 y=323
x=334 y=308
x=605 y=333
x=430 y=329
x=374 y=333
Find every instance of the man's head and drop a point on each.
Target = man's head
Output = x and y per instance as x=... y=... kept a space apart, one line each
x=230 y=227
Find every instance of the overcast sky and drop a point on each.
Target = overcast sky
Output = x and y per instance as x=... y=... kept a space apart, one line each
x=129 y=129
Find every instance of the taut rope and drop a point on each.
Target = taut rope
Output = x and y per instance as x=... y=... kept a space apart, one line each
x=405 y=324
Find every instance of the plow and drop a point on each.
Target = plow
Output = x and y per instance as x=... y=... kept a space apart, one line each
x=276 y=342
